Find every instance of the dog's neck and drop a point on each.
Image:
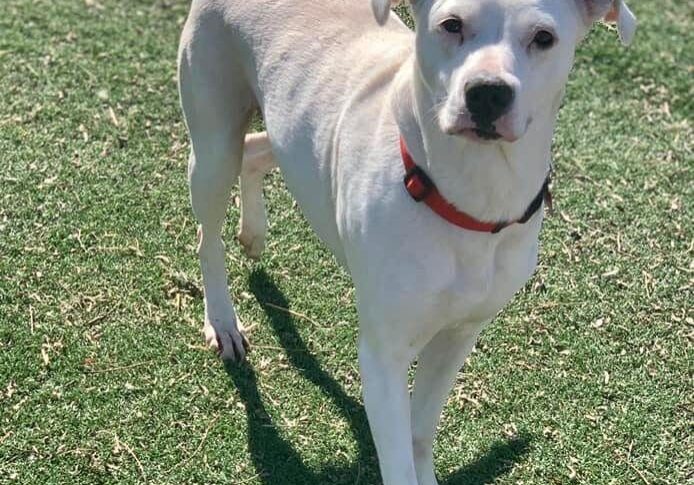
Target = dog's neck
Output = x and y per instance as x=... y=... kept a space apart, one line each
x=492 y=182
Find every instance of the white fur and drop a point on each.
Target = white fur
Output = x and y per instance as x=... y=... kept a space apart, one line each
x=336 y=92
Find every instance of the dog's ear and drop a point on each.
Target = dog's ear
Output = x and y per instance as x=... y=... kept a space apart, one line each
x=612 y=11
x=382 y=8
x=625 y=19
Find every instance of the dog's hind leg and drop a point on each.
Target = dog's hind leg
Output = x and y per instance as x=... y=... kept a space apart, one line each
x=258 y=160
x=218 y=104
x=437 y=367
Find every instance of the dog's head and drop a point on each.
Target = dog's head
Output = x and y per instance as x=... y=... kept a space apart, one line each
x=494 y=67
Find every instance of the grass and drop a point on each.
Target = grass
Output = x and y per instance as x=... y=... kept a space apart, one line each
x=586 y=377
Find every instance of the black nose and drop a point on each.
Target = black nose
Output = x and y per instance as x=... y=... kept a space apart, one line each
x=488 y=100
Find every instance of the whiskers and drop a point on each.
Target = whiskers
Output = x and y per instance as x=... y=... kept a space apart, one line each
x=432 y=115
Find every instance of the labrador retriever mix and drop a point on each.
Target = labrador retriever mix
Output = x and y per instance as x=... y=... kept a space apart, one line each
x=421 y=159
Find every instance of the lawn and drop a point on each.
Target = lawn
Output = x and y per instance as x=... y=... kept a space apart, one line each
x=586 y=377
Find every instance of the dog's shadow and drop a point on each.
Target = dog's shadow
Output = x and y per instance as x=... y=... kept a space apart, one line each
x=275 y=459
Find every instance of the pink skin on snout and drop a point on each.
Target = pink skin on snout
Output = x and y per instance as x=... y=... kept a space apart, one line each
x=456 y=120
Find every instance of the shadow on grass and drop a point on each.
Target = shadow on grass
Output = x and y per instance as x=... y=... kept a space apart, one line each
x=276 y=460
x=274 y=457
x=498 y=461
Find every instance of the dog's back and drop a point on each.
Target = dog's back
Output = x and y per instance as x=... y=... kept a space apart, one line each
x=300 y=63
x=316 y=45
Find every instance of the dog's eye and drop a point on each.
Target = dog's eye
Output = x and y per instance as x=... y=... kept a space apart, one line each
x=544 y=39
x=452 y=26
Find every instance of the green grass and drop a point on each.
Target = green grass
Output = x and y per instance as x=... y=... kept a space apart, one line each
x=586 y=377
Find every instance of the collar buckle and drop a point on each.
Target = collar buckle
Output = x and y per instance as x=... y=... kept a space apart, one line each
x=418 y=184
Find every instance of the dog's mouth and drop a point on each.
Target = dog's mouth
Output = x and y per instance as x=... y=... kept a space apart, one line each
x=487 y=133
x=485 y=129
x=479 y=131
x=480 y=135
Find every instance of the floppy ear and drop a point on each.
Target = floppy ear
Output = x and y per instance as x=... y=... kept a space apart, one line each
x=625 y=19
x=613 y=11
x=382 y=8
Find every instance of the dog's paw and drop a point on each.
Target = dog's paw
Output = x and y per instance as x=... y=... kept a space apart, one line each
x=252 y=244
x=227 y=338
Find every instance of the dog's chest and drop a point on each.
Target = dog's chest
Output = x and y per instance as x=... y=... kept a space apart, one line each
x=480 y=282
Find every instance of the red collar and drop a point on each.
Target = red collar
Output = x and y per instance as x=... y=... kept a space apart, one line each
x=423 y=189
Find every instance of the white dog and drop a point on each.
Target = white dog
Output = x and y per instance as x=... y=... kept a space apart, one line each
x=420 y=159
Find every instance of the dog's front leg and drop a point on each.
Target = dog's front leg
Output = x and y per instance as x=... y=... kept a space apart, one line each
x=384 y=379
x=437 y=367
